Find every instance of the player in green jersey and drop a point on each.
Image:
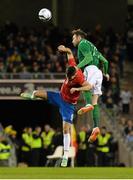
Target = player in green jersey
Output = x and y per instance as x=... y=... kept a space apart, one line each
x=89 y=55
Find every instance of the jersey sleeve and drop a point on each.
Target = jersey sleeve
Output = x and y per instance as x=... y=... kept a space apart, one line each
x=84 y=48
x=72 y=62
x=105 y=63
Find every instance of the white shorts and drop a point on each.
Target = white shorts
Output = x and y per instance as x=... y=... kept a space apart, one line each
x=94 y=76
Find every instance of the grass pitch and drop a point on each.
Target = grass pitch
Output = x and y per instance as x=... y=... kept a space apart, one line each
x=66 y=173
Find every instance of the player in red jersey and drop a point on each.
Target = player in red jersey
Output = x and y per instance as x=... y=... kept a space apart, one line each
x=66 y=98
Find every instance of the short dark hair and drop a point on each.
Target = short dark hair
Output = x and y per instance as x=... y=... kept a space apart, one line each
x=70 y=71
x=79 y=32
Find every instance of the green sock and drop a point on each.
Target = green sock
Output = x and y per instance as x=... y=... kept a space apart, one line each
x=87 y=96
x=96 y=115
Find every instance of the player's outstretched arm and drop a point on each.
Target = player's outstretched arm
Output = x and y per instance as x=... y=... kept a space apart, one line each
x=105 y=66
x=105 y=63
x=67 y=50
x=85 y=87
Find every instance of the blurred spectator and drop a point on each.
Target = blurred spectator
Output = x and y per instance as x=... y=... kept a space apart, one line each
x=16 y=143
x=122 y=125
x=103 y=148
x=26 y=145
x=108 y=99
x=91 y=149
x=25 y=74
x=57 y=139
x=47 y=137
x=130 y=43
x=8 y=129
x=113 y=153
x=122 y=55
x=5 y=148
x=130 y=137
x=82 y=147
x=123 y=121
x=126 y=97
x=36 y=147
x=129 y=127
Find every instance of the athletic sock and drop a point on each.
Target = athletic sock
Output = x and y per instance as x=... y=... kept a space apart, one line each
x=88 y=97
x=96 y=115
x=66 y=145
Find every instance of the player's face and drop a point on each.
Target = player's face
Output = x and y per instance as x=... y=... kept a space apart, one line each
x=75 y=40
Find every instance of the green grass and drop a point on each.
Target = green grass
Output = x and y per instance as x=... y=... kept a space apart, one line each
x=66 y=173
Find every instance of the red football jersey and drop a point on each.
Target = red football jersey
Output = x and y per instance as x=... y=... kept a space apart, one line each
x=76 y=82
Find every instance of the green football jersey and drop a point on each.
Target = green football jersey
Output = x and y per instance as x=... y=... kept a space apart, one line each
x=89 y=55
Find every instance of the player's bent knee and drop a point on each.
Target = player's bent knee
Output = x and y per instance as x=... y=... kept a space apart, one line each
x=66 y=131
x=66 y=128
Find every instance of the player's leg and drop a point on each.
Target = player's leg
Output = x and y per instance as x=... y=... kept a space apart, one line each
x=37 y=94
x=67 y=111
x=66 y=142
x=88 y=107
x=96 y=112
x=96 y=119
x=89 y=76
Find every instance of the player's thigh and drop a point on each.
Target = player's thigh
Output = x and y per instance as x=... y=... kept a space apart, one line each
x=89 y=75
x=98 y=83
x=67 y=112
x=54 y=98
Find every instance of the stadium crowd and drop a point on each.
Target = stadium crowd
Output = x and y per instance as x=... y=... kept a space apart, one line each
x=25 y=51
x=30 y=50
x=33 y=145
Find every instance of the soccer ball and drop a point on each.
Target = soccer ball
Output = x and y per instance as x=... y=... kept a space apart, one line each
x=45 y=14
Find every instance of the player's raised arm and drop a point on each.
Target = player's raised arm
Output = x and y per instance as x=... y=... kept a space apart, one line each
x=70 y=57
x=66 y=50
x=85 y=87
